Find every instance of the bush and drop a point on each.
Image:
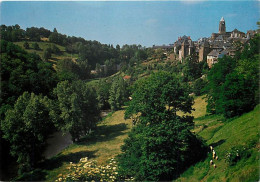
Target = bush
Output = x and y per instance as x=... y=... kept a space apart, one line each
x=35 y=46
x=26 y=45
x=235 y=154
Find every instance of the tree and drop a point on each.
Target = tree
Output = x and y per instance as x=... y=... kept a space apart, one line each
x=26 y=45
x=160 y=145
x=237 y=95
x=22 y=71
x=103 y=94
x=216 y=77
x=35 y=46
x=47 y=54
x=232 y=87
x=84 y=69
x=117 y=93
x=55 y=49
x=198 y=86
x=26 y=127
x=192 y=69
x=78 y=108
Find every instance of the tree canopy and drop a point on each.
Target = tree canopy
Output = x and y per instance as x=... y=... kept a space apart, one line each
x=78 y=110
x=232 y=87
x=161 y=145
x=26 y=127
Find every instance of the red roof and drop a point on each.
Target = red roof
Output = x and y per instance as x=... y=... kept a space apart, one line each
x=126 y=77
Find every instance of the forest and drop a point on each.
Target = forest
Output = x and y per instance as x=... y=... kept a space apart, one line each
x=53 y=82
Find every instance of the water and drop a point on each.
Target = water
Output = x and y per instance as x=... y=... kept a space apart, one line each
x=56 y=143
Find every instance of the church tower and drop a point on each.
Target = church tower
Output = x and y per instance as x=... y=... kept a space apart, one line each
x=222 y=26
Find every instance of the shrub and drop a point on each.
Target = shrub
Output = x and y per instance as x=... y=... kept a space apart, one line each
x=235 y=154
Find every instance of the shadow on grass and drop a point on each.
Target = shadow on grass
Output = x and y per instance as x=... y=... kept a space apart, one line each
x=218 y=143
x=104 y=133
x=58 y=160
x=35 y=175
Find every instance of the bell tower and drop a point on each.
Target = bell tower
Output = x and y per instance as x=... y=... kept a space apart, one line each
x=222 y=26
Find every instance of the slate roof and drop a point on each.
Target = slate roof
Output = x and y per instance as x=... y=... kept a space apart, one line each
x=214 y=53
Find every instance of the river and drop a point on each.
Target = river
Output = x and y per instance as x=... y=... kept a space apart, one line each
x=56 y=143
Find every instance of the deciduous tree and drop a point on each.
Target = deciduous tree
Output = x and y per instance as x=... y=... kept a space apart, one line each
x=26 y=127
x=161 y=145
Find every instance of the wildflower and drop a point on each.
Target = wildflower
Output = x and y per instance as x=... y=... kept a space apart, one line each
x=114 y=168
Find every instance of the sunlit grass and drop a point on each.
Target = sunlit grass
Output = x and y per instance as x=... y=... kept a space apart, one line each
x=101 y=146
x=224 y=135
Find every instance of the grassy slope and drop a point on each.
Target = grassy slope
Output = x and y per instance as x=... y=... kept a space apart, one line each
x=105 y=144
x=45 y=45
x=223 y=135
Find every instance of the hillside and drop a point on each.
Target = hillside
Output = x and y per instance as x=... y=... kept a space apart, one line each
x=223 y=135
x=43 y=46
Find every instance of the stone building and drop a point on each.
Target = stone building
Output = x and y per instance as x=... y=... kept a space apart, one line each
x=222 y=34
x=204 y=49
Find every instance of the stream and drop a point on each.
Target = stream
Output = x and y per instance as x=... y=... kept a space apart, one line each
x=57 y=142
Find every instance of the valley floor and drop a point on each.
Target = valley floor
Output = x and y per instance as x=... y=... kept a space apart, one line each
x=222 y=134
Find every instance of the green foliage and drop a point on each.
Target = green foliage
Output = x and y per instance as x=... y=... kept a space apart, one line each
x=21 y=71
x=233 y=82
x=161 y=145
x=35 y=46
x=26 y=45
x=238 y=95
x=35 y=33
x=103 y=94
x=57 y=38
x=47 y=54
x=26 y=127
x=198 y=86
x=117 y=93
x=192 y=69
x=68 y=69
x=11 y=33
x=78 y=108
x=55 y=49
x=159 y=93
x=235 y=154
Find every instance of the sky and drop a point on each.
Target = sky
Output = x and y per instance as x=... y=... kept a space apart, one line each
x=132 y=22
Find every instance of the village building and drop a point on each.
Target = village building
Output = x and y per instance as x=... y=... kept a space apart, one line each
x=209 y=49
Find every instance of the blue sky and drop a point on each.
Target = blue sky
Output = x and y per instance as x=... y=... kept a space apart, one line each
x=132 y=22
